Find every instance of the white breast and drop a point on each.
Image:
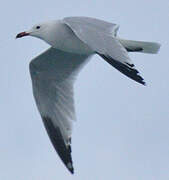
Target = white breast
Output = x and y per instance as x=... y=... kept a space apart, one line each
x=66 y=40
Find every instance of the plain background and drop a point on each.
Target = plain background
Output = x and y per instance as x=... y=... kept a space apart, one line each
x=122 y=128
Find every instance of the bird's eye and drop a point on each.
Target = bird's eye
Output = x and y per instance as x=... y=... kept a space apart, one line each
x=37 y=27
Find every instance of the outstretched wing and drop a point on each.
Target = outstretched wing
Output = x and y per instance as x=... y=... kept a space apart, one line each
x=106 y=45
x=53 y=73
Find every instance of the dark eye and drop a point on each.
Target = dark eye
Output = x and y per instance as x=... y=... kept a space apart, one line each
x=37 y=27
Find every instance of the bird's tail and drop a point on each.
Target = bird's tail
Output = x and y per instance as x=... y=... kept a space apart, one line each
x=140 y=46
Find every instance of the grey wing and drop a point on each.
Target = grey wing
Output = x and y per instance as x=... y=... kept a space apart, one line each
x=92 y=23
x=106 y=45
x=53 y=74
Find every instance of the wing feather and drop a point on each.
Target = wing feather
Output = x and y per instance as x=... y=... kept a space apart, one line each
x=92 y=23
x=106 y=45
x=53 y=74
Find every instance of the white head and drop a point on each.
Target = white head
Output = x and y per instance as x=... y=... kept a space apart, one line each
x=41 y=30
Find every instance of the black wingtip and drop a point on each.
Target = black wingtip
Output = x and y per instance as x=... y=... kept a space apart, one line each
x=141 y=81
x=70 y=167
x=125 y=68
x=144 y=83
x=63 y=150
x=72 y=171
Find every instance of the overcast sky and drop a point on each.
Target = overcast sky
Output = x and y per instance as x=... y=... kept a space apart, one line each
x=122 y=128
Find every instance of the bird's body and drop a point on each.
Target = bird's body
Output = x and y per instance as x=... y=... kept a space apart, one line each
x=65 y=39
x=53 y=73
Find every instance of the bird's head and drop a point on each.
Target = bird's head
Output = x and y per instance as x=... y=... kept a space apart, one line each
x=41 y=30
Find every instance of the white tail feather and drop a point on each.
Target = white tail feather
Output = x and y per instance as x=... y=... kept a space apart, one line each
x=140 y=46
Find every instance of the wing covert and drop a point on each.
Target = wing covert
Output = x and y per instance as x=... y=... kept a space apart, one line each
x=95 y=24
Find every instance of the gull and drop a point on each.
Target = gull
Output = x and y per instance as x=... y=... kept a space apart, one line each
x=73 y=41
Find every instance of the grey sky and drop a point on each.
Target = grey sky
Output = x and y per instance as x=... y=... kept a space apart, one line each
x=122 y=128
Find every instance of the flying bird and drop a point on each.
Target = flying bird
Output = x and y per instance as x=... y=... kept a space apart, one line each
x=73 y=41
